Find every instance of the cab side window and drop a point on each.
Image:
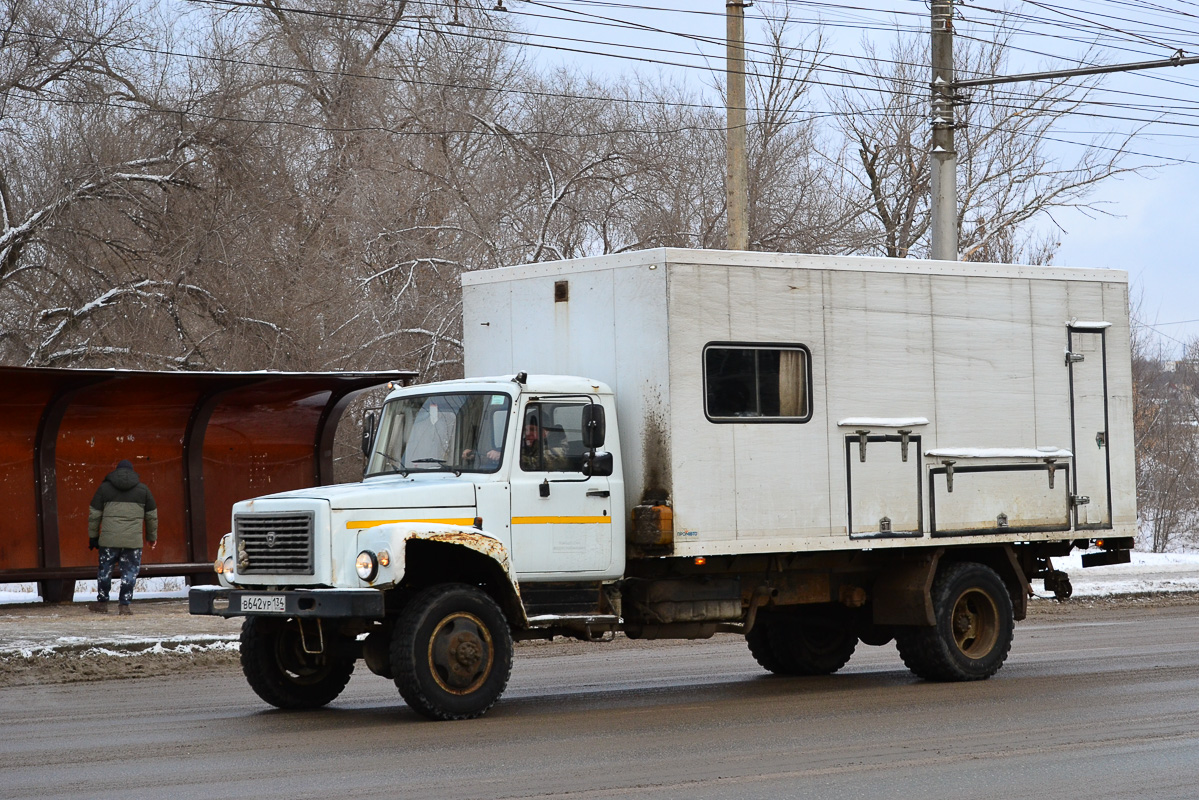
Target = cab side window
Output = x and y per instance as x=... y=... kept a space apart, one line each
x=551 y=438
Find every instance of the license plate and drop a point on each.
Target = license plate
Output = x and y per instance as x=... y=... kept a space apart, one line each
x=263 y=602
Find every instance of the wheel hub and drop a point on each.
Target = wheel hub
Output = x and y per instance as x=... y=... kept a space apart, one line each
x=964 y=624
x=460 y=653
x=975 y=623
x=466 y=650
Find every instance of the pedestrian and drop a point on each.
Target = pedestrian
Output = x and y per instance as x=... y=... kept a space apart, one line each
x=119 y=509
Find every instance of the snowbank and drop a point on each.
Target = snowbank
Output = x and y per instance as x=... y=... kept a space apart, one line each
x=85 y=591
x=1148 y=572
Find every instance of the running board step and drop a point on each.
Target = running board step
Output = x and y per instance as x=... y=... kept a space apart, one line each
x=552 y=620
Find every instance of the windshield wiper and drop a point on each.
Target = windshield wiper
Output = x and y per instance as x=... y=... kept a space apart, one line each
x=395 y=462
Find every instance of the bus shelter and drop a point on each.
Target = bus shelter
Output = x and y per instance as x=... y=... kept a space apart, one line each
x=200 y=440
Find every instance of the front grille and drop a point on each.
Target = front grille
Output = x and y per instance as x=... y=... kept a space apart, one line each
x=274 y=544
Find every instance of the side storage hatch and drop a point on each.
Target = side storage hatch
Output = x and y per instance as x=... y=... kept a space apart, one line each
x=883 y=477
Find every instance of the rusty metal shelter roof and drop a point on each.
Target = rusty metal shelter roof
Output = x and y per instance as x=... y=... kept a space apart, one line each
x=199 y=440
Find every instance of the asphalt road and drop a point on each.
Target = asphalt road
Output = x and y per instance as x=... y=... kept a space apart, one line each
x=1103 y=706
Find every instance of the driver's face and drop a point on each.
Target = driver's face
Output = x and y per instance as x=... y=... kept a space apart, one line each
x=530 y=433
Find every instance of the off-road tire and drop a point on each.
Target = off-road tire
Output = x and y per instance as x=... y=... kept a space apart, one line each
x=451 y=652
x=810 y=645
x=761 y=647
x=281 y=673
x=792 y=644
x=973 y=630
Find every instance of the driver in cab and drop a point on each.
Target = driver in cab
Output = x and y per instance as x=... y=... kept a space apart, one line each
x=543 y=449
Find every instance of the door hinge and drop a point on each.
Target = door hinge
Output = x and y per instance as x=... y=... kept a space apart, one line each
x=1079 y=499
x=1074 y=358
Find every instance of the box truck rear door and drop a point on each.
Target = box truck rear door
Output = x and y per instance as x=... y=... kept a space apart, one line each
x=1087 y=361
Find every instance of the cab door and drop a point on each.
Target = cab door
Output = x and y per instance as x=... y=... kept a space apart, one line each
x=561 y=519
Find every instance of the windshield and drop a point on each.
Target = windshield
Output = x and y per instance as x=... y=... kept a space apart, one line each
x=441 y=432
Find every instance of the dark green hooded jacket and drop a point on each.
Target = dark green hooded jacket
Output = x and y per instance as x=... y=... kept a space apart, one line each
x=121 y=505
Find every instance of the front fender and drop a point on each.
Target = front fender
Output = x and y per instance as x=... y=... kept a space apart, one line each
x=394 y=537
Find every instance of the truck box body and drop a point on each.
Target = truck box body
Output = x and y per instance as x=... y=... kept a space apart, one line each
x=792 y=403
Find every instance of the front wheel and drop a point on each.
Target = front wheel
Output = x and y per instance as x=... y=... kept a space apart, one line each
x=279 y=669
x=973 y=630
x=451 y=652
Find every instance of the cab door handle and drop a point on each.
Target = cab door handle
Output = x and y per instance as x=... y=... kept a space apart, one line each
x=598 y=493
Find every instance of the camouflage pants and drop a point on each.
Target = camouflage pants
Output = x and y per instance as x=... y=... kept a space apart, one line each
x=130 y=560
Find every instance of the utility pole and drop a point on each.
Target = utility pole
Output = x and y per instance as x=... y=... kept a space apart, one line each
x=944 y=199
x=737 y=179
x=944 y=156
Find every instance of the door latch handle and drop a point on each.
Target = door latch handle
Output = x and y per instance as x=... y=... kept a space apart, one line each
x=598 y=493
x=1100 y=438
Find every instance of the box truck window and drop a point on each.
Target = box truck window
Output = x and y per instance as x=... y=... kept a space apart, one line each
x=763 y=383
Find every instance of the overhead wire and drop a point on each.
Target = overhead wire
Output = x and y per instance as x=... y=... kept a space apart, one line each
x=856 y=87
x=819 y=68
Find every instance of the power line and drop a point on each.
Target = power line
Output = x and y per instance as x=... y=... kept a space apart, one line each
x=813 y=115
x=820 y=68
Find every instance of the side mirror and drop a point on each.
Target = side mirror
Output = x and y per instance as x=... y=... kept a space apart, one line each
x=368 y=432
x=597 y=465
x=594 y=427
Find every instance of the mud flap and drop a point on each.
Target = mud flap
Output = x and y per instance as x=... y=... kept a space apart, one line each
x=903 y=594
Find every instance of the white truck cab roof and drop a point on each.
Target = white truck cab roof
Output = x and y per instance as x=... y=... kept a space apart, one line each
x=533 y=384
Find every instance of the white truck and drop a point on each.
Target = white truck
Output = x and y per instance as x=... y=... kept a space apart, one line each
x=812 y=451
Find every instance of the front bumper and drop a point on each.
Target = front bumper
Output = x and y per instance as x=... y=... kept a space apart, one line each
x=318 y=603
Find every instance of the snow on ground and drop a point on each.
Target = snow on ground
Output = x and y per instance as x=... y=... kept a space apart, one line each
x=85 y=591
x=118 y=646
x=1148 y=572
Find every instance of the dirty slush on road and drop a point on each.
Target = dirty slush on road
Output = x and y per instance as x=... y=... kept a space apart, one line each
x=55 y=644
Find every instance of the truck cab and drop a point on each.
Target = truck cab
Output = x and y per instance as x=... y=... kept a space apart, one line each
x=487 y=459
x=511 y=484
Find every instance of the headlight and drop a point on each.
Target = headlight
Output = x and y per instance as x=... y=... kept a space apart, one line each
x=227 y=566
x=367 y=565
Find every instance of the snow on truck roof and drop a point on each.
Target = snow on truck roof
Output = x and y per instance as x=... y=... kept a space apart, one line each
x=674 y=256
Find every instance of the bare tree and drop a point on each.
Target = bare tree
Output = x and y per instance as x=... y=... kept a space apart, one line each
x=797 y=203
x=302 y=185
x=1166 y=428
x=1007 y=178
x=80 y=137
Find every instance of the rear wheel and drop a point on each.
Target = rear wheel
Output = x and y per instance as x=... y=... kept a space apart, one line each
x=973 y=630
x=761 y=647
x=801 y=644
x=813 y=644
x=451 y=652
x=280 y=670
